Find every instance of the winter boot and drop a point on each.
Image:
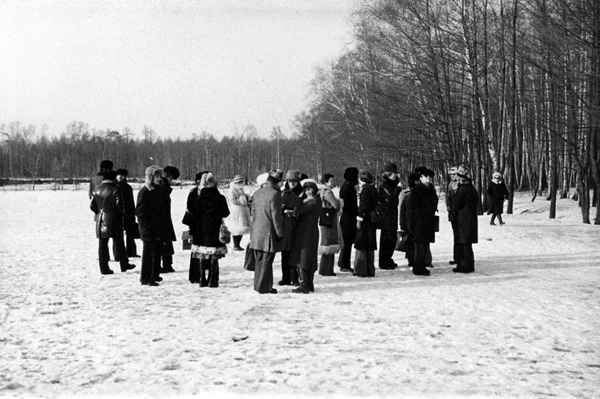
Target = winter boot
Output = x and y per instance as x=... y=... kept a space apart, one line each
x=213 y=275
x=203 y=270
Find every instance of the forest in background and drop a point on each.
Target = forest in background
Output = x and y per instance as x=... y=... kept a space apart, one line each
x=494 y=85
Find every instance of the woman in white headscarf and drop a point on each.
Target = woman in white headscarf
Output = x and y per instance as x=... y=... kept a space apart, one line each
x=239 y=220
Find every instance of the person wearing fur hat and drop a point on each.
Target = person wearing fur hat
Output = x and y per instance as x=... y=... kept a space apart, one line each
x=304 y=253
x=389 y=196
x=329 y=244
x=211 y=208
x=424 y=205
x=349 y=205
x=190 y=219
x=170 y=173
x=450 y=193
x=464 y=212
x=107 y=203
x=267 y=231
x=150 y=215
x=290 y=199
x=366 y=240
x=497 y=193
x=239 y=222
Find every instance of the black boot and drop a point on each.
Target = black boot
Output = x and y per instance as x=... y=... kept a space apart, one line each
x=213 y=275
x=294 y=276
x=304 y=287
x=203 y=270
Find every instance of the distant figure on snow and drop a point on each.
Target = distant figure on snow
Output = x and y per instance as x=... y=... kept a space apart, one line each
x=497 y=192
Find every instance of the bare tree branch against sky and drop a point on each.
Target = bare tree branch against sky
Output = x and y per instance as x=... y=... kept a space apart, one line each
x=178 y=67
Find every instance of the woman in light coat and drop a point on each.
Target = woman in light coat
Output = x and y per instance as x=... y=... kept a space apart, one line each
x=329 y=245
x=239 y=222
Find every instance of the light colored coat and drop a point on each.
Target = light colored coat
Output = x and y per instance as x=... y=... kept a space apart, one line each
x=329 y=235
x=238 y=222
x=267 y=219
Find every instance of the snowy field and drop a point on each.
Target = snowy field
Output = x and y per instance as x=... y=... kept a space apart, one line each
x=525 y=324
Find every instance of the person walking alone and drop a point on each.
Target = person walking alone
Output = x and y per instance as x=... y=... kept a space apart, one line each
x=497 y=193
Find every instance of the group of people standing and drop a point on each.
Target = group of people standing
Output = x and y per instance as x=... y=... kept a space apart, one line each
x=291 y=214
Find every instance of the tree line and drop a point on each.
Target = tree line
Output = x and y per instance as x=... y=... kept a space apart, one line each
x=494 y=85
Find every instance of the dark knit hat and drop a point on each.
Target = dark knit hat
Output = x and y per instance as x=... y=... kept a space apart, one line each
x=172 y=171
x=351 y=174
x=429 y=172
x=106 y=164
x=391 y=167
x=122 y=172
x=109 y=175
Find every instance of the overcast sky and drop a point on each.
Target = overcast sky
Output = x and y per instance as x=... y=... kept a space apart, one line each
x=176 y=66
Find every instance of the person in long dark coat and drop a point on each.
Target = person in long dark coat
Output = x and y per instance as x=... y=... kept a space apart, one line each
x=211 y=208
x=406 y=218
x=190 y=219
x=389 y=193
x=424 y=205
x=365 y=242
x=304 y=253
x=108 y=205
x=170 y=173
x=329 y=243
x=131 y=228
x=497 y=192
x=267 y=231
x=150 y=217
x=290 y=198
x=349 y=200
x=450 y=193
x=464 y=212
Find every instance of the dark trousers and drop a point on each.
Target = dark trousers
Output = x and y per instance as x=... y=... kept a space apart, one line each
x=263 y=271
x=387 y=246
x=348 y=227
x=422 y=252
x=289 y=274
x=466 y=260
x=119 y=253
x=326 y=265
x=364 y=263
x=150 y=261
x=455 y=249
x=236 y=241
x=130 y=247
x=496 y=215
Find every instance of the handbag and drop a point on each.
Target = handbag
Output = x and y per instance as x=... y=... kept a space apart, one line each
x=326 y=218
x=186 y=238
x=376 y=215
x=224 y=234
x=249 y=260
x=437 y=224
x=401 y=241
x=188 y=219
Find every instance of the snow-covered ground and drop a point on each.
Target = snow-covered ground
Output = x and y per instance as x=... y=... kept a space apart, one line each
x=526 y=324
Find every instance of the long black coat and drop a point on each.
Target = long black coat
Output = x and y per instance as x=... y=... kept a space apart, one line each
x=211 y=208
x=304 y=251
x=424 y=204
x=289 y=201
x=366 y=239
x=108 y=197
x=165 y=191
x=129 y=203
x=150 y=214
x=190 y=218
x=464 y=211
x=496 y=195
x=389 y=198
x=348 y=195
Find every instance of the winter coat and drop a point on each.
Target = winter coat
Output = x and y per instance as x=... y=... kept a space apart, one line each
x=329 y=235
x=165 y=190
x=497 y=192
x=389 y=197
x=267 y=219
x=349 y=200
x=424 y=204
x=108 y=197
x=239 y=222
x=450 y=193
x=406 y=212
x=464 y=212
x=94 y=182
x=150 y=214
x=290 y=199
x=306 y=245
x=366 y=239
x=211 y=207
x=190 y=218
x=129 y=203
